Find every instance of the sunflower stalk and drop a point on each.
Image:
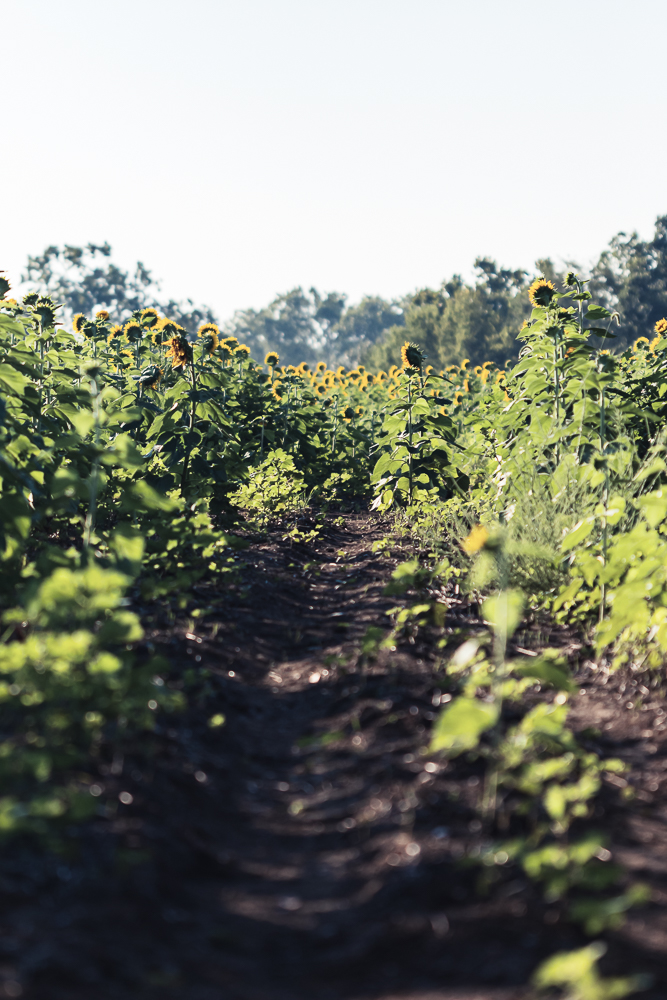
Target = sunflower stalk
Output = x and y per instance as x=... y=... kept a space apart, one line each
x=93 y=480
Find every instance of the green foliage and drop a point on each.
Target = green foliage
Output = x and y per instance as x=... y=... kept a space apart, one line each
x=577 y=974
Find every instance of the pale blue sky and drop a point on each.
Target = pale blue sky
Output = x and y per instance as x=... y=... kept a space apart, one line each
x=241 y=147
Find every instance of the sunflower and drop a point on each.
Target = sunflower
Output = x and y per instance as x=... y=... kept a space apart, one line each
x=277 y=390
x=149 y=318
x=4 y=285
x=348 y=414
x=30 y=299
x=150 y=377
x=380 y=377
x=210 y=335
x=272 y=359
x=302 y=369
x=133 y=331
x=45 y=310
x=476 y=540
x=412 y=356
x=639 y=343
x=458 y=396
x=78 y=322
x=114 y=334
x=242 y=352
x=231 y=342
x=541 y=292
x=102 y=316
x=180 y=351
x=321 y=389
x=661 y=326
x=320 y=367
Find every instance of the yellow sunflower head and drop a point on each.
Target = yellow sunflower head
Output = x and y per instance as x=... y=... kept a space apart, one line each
x=640 y=344
x=348 y=414
x=4 y=285
x=149 y=318
x=321 y=389
x=210 y=337
x=661 y=326
x=412 y=356
x=278 y=390
x=114 y=333
x=102 y=316
x=476 y=540
x=134 y=331
x=541 y=292
x=242 y=352
x=272 y=359
x=79 y=322
x=231 y=342
x=320 y=367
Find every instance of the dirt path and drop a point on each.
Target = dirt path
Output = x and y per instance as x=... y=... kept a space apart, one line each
x=309 y=849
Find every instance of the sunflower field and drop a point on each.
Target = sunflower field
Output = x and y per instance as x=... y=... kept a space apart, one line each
x=138 y=461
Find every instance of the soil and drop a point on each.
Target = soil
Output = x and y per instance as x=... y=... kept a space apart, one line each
x=310 y=848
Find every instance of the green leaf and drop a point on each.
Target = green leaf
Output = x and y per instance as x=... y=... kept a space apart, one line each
x=460 y=725
x=577 y=534
x=504 y=611
x=547 y=672
x=13 y=379
x=654 y=507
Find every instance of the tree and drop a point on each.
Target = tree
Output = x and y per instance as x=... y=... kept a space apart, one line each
x=457 y=321
x=84 y=280
x=631 y=277
x=310 y=327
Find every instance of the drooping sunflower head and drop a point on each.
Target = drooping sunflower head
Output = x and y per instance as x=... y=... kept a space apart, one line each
x=640 y=344
x=180 y=350
x=278 y=390
x=4 y=285
x=210 y=335
x=412 y=356
x=149 y=318
x=231 y=342
x=272 y=359
x=78 y=322
x=44 y=311
x=30 y=299
x=134 y=331
x=102 y=316
x=150 y=377
x=242 y=352
x=661 y=326
x=541 y=292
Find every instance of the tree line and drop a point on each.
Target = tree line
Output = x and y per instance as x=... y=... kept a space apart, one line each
x=478 y=319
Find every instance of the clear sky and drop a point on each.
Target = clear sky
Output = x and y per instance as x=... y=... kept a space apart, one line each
x=242 y=147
